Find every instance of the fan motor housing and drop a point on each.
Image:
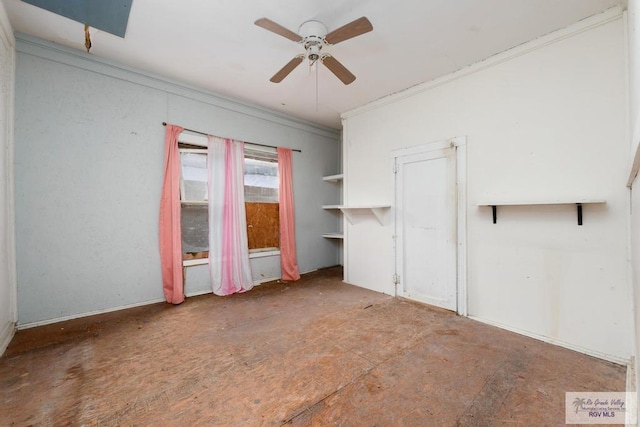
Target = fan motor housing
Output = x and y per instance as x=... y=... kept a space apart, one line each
x=313 y=33
x=314 y=29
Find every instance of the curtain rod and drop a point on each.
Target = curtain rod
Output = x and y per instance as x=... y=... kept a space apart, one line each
x=252 y=143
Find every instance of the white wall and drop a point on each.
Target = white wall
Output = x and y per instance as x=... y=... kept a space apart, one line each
x=7 y=248
x=633 y=29
x=88 y=170
x=546 y=120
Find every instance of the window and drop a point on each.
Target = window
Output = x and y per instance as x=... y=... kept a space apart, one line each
x=261 y=198
x=194 y=218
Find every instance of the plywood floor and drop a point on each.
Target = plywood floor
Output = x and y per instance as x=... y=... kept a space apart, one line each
x=317 y=352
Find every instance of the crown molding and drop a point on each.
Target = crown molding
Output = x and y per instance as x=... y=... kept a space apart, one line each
x=586 y=24
x=6 y=31
x=35 y=46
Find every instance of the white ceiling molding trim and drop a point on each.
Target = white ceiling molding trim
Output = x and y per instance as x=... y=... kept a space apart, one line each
x=5 y=28
x=54 y=52
x=586 y=24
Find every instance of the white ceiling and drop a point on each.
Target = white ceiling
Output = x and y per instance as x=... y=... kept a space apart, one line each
x=215 y=45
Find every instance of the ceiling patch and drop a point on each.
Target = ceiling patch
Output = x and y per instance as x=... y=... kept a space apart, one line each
x=110 y=16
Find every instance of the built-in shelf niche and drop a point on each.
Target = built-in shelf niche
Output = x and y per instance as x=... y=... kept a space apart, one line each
x=335 y=179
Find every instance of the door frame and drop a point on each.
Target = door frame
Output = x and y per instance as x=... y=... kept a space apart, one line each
x=459 y=143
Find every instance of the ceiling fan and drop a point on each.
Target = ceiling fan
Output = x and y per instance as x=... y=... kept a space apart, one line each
x=313 y=36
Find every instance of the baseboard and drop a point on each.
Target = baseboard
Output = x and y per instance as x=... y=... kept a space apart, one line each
x=124 y=307
x=198 y=293
x=255 y=283
x=87 y=314
x=6 y=335
x=261 y=281
x=609 y=357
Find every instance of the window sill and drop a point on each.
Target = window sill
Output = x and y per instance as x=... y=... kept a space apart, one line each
x=197 y=261
x=264 y=254
x=203 y=261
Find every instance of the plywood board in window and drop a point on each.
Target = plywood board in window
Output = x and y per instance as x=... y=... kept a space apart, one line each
x=263 y=225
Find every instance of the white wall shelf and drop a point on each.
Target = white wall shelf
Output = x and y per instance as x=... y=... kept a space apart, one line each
x=333 y=178
x=578 y=202
x=333 y=236
x=376 y=210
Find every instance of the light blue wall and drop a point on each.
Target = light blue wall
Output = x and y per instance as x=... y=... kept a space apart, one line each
x=7 y=262
x=88 y=171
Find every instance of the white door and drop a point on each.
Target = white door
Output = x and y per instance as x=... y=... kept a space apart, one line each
x=426 y=218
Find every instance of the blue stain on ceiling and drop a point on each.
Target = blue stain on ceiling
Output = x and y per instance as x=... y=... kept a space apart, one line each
x=106 y=15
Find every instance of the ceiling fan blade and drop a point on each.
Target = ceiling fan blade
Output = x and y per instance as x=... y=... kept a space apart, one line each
x=268 y=24
x=284 y=71
x=349 y=31
x=338 y=69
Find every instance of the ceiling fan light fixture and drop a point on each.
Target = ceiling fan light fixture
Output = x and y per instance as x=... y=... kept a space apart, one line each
x=312 y=33
x=313 y=51
x=313 y=36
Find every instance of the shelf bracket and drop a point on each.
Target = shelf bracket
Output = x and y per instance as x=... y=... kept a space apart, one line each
x=494 y=210
x=347 y=215
x=579 y=206
x=379 y=214
x=377 y=211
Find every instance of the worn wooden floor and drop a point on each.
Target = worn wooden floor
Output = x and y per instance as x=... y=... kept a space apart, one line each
x=318 y=352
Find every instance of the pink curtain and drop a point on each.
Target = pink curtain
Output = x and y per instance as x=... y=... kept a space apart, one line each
x=229 y=266
x=288 y=259
x=170 y=237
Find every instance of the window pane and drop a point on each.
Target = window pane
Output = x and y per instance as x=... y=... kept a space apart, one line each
x=194 y=176
x=260 y=180
x=194 y=220
x=261 y=199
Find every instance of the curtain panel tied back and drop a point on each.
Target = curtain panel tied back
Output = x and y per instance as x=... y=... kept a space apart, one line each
x=170 y=233
x=288 y=259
